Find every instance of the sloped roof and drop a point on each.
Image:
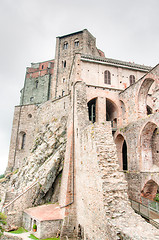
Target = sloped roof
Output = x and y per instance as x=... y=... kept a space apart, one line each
x=111 y=61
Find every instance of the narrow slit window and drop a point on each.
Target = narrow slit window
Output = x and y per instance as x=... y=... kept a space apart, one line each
x=64 y=64
x=23 y=140
x=37 y=83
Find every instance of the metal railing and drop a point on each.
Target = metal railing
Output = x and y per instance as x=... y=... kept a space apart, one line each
x=144 y=208
x=150 y=204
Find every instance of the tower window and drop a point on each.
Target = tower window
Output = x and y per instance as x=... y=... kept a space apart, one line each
x=76 y=43
x=107 y=77
x=63 y=92
x=64 y=64
x=65 y=46
x=31 y=99
x=23 y=140
x=42 y=66
x=36 y=83
x=132 y=79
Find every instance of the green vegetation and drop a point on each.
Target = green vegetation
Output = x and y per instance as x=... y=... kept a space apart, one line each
x=19 y=230
x=1 y=176
x=34 y=226
x=2 y=223
x=33 y=237
x=157 y=197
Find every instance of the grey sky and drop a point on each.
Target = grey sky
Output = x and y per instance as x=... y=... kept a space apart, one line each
x=125 y=29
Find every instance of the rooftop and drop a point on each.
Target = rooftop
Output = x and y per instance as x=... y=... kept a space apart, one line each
x=111 y=61
x=45 y=212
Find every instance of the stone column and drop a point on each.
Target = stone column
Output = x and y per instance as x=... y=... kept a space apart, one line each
x=101 y=110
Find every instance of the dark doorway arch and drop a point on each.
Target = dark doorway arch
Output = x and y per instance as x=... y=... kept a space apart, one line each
x=92 y=110
x=111 y=112
x=124 y=156
x=121 y=147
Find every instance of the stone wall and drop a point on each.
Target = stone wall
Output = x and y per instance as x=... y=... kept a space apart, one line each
x=93 y=74
x=14 y=211
x=142 y=156
x=24 y=122
x=44 y=161
x=64 y=58
x=103 y=209
x=45 y=229
x=37 y=83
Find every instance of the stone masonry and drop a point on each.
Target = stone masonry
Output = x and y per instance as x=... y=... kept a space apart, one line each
x=85 y=136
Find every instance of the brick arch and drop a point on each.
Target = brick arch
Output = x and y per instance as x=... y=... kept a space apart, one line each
x=123 y=111
x=120 y=142
x=142 y=96
x=112 y=109
x=145 y=146
x=150 y=189
x=92 y=110
x=100 y=109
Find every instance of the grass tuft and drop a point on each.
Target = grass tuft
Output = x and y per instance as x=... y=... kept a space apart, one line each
x=19 y=230
x=33 y=237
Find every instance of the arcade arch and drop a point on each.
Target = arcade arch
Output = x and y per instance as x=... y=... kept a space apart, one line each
x=121 y=152
x=92 y=110
x=107 y=109
x=142 y=96
x=149 y=152
x=150 y=189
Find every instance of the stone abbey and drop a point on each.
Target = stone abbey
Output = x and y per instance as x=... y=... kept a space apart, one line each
x=85 y=138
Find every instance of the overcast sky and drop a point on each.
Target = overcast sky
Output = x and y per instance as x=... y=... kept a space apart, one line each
x=124 y=29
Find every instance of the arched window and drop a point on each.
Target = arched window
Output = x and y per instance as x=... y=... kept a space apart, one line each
x=122 y=152
x=132 y=79
x=124 y=156
x=76 y=43
x=65 y=46
x=64 y=64
x=92 y=110
x=107 y=77
x=22 y=140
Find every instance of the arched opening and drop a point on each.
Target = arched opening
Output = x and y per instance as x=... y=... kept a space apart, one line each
x=122 y=152
x=155 y=147
x=124 y=156
x=149 y=190
x=22 y=140
x=92 y=110
x=149 y=146
x=142 y=96
x=149 y=110
x=111 y=113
